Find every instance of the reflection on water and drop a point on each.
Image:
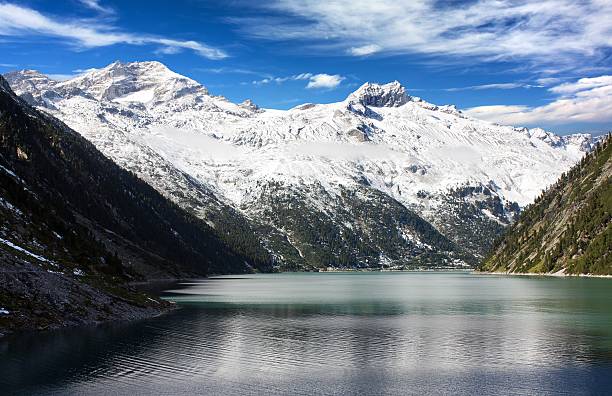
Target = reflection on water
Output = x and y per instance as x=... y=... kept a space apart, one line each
x=357 y=333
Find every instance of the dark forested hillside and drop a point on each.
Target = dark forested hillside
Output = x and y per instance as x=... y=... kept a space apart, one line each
x=71 y=218
x=568 y=228
x=363 y=228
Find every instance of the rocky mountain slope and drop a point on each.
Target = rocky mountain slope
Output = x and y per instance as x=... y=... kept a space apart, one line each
x=75 y=228
x=381 y=178
x=569 y=227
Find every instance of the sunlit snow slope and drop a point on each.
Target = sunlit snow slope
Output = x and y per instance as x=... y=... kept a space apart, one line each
x=381 y=178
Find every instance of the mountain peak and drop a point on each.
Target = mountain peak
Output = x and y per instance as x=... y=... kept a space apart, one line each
x=392 y=94
x=144 y=82
x=144 y=70
x=23 y=81
x=144 y=66
x=249 y=104
x=26 y=74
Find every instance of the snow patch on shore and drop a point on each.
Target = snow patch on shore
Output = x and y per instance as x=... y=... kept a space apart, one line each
x=25 y=251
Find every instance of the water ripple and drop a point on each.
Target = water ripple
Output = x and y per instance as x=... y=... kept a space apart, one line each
x=337 y=334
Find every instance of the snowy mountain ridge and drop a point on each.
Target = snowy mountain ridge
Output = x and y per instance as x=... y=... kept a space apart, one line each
x=381 y=145
x=390 y=95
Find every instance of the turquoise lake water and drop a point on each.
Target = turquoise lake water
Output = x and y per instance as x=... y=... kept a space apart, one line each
x=337 y=333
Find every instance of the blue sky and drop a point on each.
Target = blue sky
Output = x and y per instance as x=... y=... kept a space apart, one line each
x=546 y=63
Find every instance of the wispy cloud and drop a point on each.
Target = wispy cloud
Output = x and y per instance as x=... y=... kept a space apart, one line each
x=288 y=101
x=546 y=81
x=19 y=21
x=546 y=31
x=482 y=87
x=493 y=86
x=173 y=50
x=280 y=80
x=315 y=81
x=61 y=77
x=68 y=76
x=582 y=85
x=364 y=50
x=233 y=70
x=585 y=100
x=96 y=6
x=82 y=71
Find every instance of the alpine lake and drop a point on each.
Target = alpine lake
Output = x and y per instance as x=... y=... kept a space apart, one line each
x=353 y=333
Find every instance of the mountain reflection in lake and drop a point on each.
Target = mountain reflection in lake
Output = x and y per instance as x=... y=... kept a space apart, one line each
x=338 y=333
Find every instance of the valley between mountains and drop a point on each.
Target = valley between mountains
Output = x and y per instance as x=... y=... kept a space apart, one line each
x=382 y=178
x=133 y=173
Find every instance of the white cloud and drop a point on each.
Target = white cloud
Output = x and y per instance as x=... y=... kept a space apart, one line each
x=586 y=100
x=324 y=81
x=22 y=21
x=233 y=70
x=96 y=6
x=61 y=77
x=545 y=31
x=546 y=81
x=82 y=71
x=315 y=81
x=364 y=50
x=490 y=86
x=498 y=113
x=169 y=50
x=280 y=80
x=68 y=76
x=583 y=84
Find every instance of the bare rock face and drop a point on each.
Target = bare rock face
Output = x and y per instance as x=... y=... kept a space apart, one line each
x=376 y=95
x=27 y=81
x=358 y=134
x=250 y=105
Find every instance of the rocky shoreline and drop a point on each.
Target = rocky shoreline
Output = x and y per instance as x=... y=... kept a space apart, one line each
x=554 y=274
x=34 y=298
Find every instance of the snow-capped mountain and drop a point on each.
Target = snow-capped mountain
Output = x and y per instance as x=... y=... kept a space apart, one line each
x=382 y=177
